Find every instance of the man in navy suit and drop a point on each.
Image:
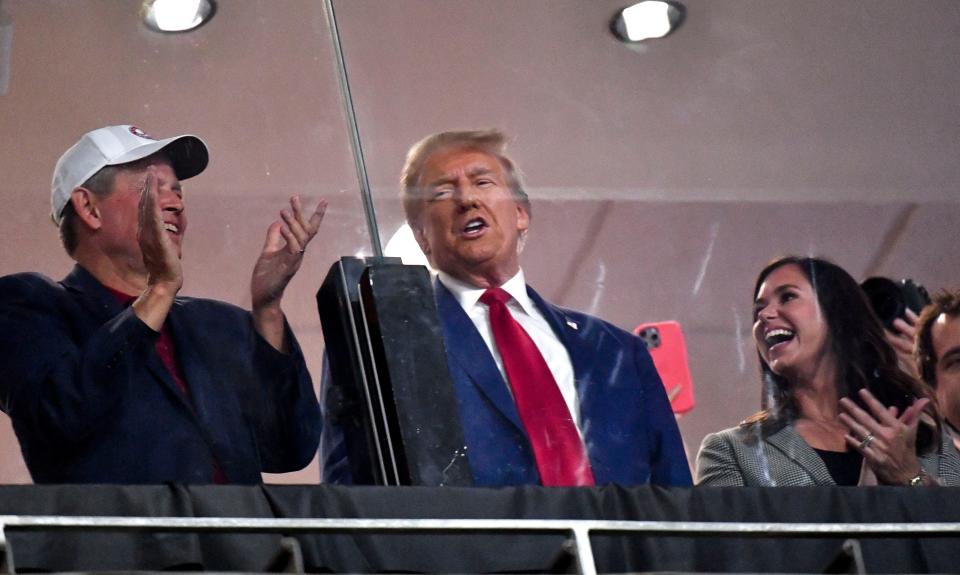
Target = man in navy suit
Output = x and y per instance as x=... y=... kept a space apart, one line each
x=109 y=376
x=466 y=206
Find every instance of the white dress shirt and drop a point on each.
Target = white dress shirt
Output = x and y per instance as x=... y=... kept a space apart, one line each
x=522 y=308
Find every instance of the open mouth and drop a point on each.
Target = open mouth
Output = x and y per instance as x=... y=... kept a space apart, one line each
x=777 y=337
x=172 y=228
x=474 y=227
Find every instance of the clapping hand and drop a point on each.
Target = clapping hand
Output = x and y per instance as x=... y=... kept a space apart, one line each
x=886 y=439
x=282 y=254
x=160 y=256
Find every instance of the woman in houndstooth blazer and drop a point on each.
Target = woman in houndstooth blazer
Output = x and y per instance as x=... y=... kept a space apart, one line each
x=838 y=410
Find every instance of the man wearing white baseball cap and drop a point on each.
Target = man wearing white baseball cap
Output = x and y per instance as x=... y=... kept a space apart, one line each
x=109 y=376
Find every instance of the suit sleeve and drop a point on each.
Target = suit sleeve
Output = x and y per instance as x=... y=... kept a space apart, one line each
x=59 y=381
x=717 y=464
x=282 y=405
x=334 y=461
x=668 y=465
x=948 y=462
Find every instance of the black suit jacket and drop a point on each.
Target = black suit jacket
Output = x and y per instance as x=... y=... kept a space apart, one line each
x=91 y=401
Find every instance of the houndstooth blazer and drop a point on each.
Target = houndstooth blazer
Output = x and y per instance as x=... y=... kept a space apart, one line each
x=741 y=456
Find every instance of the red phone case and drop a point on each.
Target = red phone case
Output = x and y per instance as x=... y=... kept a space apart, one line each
x=668 y=349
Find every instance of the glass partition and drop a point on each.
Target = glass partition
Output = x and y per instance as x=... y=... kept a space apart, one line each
x=257 y=83
x=662 y=175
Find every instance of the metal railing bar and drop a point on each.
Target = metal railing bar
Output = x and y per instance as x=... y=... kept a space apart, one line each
x=41 y=522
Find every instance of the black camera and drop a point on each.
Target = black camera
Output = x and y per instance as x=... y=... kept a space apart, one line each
x=890 y=299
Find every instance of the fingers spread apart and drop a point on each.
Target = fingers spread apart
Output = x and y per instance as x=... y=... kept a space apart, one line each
x=297 y=229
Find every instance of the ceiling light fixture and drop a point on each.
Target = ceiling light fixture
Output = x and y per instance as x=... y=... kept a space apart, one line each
x=647 y=20
x=177 y=15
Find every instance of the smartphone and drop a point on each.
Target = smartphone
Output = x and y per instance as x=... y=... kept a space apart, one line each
x=664 y=341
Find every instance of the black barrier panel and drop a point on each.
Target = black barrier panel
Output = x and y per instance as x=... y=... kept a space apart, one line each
x=381 y=551
x=345 y=336
x=389 y=388
x=411 y=367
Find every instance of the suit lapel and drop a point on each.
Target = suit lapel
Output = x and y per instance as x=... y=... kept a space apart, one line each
x=206 y=401
x=466 y=347
x=159 y=370
x=103 y=306
x=789 y=442
x=601 y=412
x=190 y=369
x=571 y=332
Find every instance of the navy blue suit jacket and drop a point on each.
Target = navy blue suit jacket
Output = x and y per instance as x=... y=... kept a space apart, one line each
x=629 y=429
x=91 y=401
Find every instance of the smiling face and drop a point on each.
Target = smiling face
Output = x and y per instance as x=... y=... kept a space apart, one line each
x=119 y=210
x=469 y=223
x=789 y=327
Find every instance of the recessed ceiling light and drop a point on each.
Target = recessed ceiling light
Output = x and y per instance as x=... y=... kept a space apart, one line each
x=177 y=15
x=647 y=20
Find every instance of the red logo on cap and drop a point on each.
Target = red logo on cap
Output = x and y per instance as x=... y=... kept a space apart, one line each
x=140 y=133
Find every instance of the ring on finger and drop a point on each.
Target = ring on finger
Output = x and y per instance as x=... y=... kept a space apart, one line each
x=866 y=441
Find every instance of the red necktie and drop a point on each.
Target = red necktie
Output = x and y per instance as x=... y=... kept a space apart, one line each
x=561 y=458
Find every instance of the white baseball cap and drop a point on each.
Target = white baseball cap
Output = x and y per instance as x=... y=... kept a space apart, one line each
x=116 y=145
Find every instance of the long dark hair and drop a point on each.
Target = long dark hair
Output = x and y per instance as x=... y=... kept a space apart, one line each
x=864 y=358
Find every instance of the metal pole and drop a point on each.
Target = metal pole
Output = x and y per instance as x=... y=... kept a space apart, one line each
x=355 y=145
x=585 y=561
x=6 y=553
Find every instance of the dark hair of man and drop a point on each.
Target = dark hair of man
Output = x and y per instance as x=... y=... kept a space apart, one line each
x=491 y=142
x=101 y=184
x=864 y=358
x=945 y=302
